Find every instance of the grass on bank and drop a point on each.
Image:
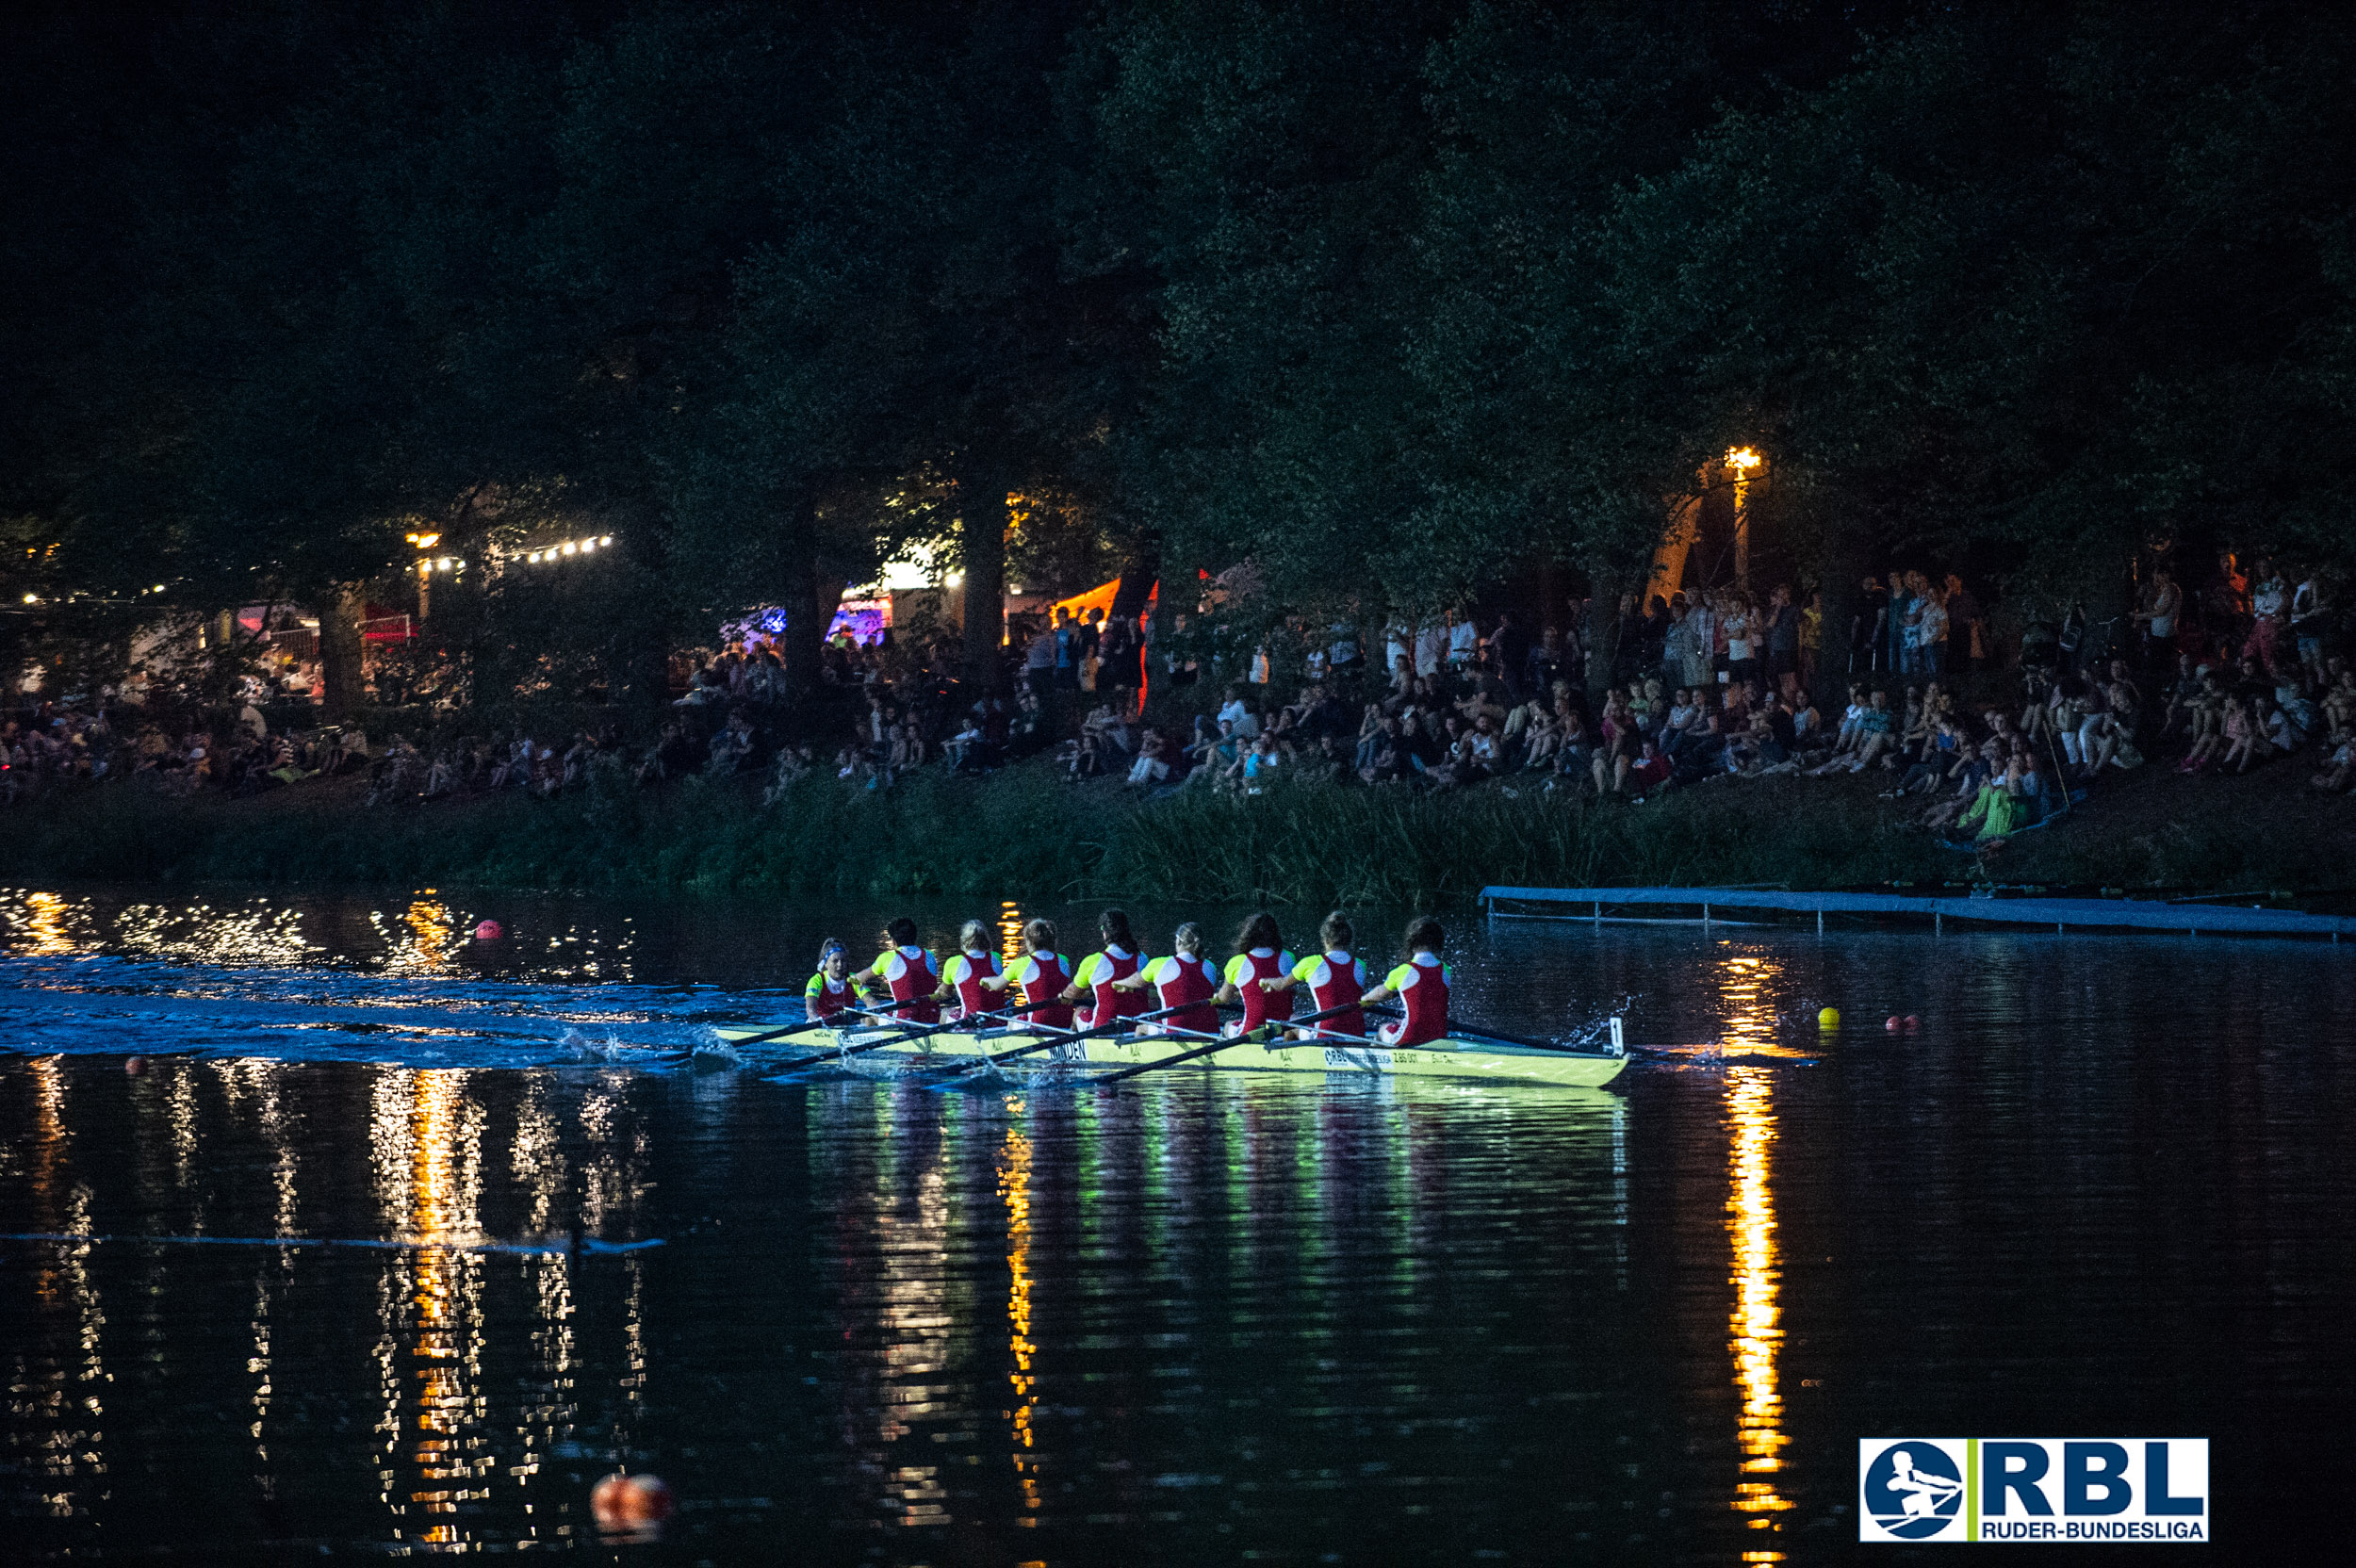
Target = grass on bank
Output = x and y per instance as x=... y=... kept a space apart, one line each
x=1023 y=833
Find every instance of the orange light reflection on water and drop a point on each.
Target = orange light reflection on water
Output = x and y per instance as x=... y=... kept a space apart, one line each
x=1014 y=1184
x=1757 y=1326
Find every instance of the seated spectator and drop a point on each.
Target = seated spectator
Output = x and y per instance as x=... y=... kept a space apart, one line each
x=1153 y=763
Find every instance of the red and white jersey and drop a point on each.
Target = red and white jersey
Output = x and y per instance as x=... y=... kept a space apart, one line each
x=1244 y=972
x=913 y=974
x=1186 y=983
x=823 y=998
x=1422 y=986
x=966 y=971
x=1043 y=977
x=1334 y=980
x=1098 y=971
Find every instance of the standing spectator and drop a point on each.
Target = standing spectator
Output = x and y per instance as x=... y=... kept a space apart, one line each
x=2269 y=608
x=1039 y=661
x=2160 y=608
x=1116 y=652
x=1463 y=641
x=1812 y=638
x=1510 y=646
x=1965 y=623
x=1067 y=652
x=1743 y=637
x=1431 y=648
x=1866 y=631
x=1542 y=664
x=2227 y=602
x=2311 y=617
x=1930 y=632
x=1783 y=635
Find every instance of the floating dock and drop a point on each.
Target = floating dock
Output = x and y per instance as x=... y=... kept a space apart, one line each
x=2061 y=915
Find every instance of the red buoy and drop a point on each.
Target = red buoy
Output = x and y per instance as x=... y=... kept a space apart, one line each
x=135 y=1066
x=489 y=931
x=1894 y=1024
x=1913 y=1022
x=621 y=1502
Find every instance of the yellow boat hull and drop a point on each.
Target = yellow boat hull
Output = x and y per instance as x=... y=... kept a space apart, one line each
x=1451 y=1057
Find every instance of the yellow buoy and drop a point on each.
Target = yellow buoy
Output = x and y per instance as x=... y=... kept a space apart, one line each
x=1828 y=1019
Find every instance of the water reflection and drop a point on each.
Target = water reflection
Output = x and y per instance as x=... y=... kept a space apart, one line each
x=42 y=921
x=422 y=940
x=1757 y=1333
x=1014 y=1185
x=58 y=1382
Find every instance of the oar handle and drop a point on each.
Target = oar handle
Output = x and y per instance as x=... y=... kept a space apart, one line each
x=1260 y=1036
x=1048 y=1042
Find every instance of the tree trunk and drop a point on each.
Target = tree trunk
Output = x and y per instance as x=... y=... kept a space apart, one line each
x=1604 y=630
x=1136 y=579
x=339 y=652
x=982 y=489
x=1841 y=565
x=808 y=612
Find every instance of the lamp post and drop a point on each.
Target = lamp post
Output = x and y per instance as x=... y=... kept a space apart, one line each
x=1742 y=460
x=425 y=571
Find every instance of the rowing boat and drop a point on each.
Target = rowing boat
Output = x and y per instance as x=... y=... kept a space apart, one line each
x=1458 y=1055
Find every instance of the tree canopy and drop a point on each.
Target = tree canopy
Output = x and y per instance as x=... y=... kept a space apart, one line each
x=1390 y=301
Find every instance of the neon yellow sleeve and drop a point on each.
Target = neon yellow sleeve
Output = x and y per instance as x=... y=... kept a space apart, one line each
x=1238 y=970
x=955 y=968
x=1086 y=974
x=809 y=993
x=1306 y=970
x=1400 y=978
x=1160 y=970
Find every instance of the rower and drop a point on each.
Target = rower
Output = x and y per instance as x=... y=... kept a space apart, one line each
x=833 y=988
x=1185 y=980
x=1259 y=955
x=961 y=976
x=1334 y=980
x=1421 y=985
x=1099 y=973
x=1043 y=974
x=909 y=971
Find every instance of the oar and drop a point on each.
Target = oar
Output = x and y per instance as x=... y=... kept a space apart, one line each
x=1548 y=1045
x=1503 y=1038
x=1253 y=1037
x=902 y=1036
x=1051 y=1041
x=863 y=1012
x=793 y=1029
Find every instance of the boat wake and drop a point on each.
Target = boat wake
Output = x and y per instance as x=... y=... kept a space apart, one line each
x=109 y=1006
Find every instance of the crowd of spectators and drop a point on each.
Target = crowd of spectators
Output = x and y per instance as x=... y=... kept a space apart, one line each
x=1715 y=685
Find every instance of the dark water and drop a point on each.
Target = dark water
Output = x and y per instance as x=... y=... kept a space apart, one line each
x=2106 y=1190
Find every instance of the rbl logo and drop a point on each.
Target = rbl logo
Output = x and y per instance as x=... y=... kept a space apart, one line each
x=1990 y=1489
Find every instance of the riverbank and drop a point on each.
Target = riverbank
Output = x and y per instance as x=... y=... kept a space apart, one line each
x=1023 y=833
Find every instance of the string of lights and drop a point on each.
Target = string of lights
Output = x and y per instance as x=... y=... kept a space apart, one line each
x=570 y=548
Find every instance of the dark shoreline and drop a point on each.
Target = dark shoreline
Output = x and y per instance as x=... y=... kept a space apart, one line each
x=1023 y=833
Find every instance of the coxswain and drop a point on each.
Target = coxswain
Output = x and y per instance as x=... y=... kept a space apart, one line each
x=907 y=970
x=1043 y=975
x=1334 y=979
x=1259 y=955
x=1099 y=973
x=833 y=988
x=1421 y=985
x=961 y=978
x=1185 y=981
